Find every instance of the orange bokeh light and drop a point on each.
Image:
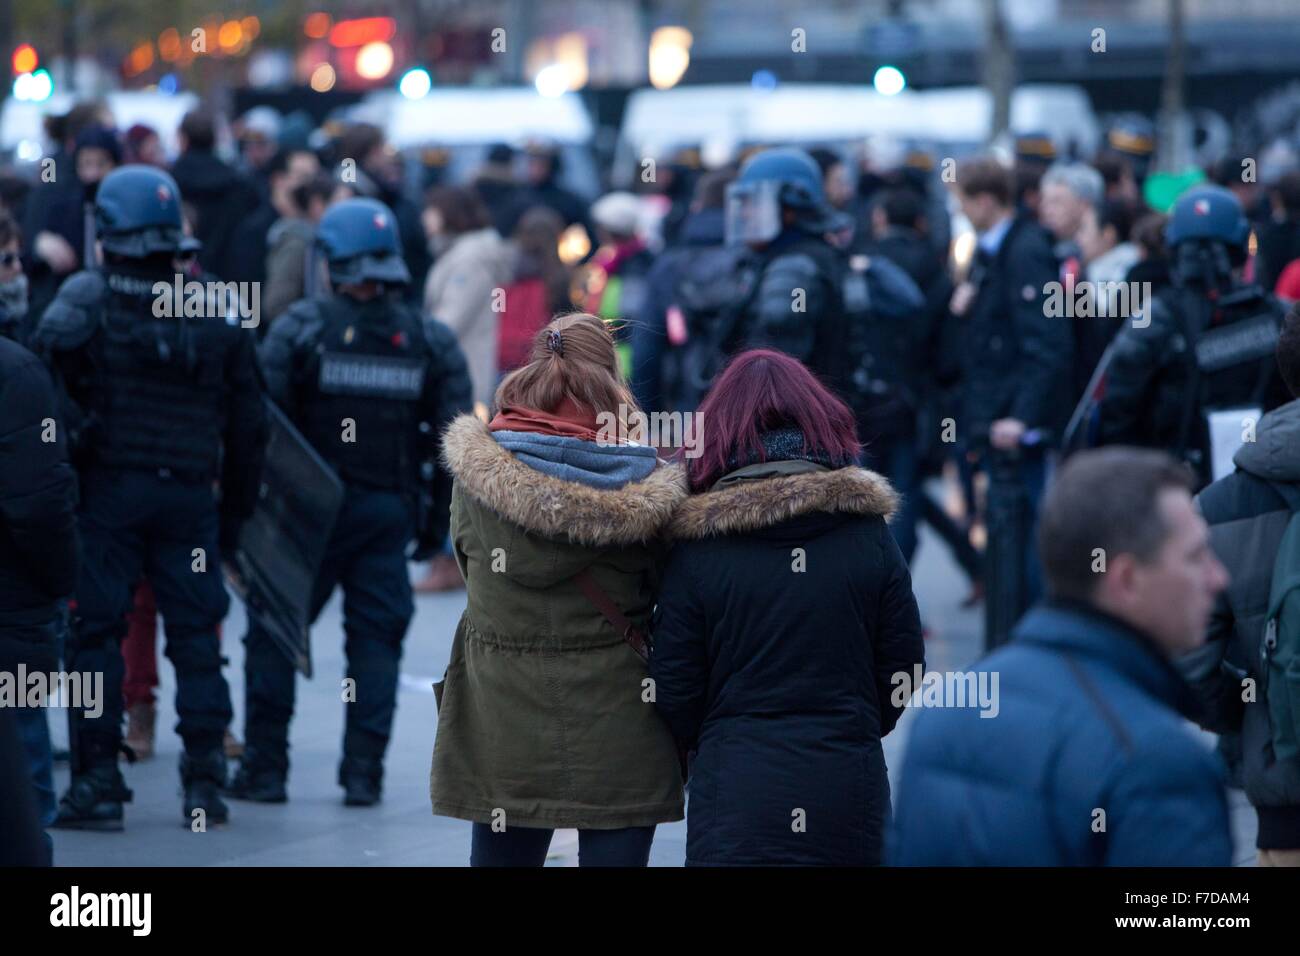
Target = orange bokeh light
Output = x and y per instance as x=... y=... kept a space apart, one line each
x=363 y=31
x=316 y=25
x=25 y=58
x=169 y=44
x=230 y=35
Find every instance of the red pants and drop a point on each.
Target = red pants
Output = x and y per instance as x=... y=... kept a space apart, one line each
x=140 y=648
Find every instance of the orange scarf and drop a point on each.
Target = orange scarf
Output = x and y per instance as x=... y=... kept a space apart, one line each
x=569 y=419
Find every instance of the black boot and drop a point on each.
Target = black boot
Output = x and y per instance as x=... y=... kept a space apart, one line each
x=259 y=778
x=94 y=798
x=202 y=775
x=361 y=779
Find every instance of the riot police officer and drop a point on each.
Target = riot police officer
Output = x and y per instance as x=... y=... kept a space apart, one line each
x=1208 y=347
x=369 y=384
x=163 y=405
x=848 y=318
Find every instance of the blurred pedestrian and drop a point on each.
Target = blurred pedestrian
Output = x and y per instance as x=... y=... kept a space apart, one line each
x=786 y=608
x=1015 y=360
x=543 y=717
x=16 y=321
x=463 y=289
x=283 y=172
x=538 y=290
x=374 y=160
x=501 y=192
x=289 y=245
x=1088 y=760
x=1107 y=255
x=140 y=144
x=1070 y=191
x=220 y=196
x=931 y=374
x=1249 y=512
x=612 y=284
x=1279 y=236
x=544 y=167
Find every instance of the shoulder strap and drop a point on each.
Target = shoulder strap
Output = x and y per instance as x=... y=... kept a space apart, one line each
x=1107 y=713
x=603 y=603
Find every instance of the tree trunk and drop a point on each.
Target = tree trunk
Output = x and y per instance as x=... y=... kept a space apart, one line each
x=998 y=68
x=1173 y=150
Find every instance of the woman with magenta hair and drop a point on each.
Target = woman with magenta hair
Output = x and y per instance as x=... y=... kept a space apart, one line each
x=785 y=612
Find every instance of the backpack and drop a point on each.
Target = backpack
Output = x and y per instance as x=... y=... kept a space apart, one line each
x=1279 y=655
x=882 y=309
x=711 y=292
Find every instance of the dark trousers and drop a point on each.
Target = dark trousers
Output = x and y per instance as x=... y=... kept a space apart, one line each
x=898 y=461
x=367 y=556
x=527 y=846
x=134 y=523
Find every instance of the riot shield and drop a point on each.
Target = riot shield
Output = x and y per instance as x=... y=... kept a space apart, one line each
x=282 y=544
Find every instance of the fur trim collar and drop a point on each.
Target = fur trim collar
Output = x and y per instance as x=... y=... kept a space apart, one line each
x=554 y=508
x=751 y=505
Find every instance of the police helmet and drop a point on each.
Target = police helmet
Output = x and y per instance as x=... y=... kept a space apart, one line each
x=1207 y=233
x=359 y=240
x=138 y=213
x=772 y=180
x=1210 y=213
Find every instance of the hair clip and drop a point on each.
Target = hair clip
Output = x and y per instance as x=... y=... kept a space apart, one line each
x=555 y=342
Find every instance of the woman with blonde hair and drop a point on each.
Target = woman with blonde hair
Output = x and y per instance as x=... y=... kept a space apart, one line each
x=544 y=720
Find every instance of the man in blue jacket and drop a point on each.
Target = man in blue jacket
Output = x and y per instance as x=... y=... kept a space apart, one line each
x=1087 y=758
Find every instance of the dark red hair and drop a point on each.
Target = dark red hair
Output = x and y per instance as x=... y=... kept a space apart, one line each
x=763 y=390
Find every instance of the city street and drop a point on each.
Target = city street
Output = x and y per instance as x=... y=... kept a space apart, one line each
x=315 y=829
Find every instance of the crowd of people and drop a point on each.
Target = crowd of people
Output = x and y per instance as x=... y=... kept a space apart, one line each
x=739 y=620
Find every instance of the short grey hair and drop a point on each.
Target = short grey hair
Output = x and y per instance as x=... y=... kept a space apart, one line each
x=1079 y=178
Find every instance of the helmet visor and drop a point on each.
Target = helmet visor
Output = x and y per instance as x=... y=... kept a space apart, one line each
x=753 y=212
x=388 y=269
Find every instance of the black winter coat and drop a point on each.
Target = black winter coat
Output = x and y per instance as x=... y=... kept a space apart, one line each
x=38 y=494
x=785 y=610
x=1016 y=360
x=222 y=200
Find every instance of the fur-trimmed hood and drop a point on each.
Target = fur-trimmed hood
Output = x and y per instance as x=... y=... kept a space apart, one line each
x=553 y=507
x=752 y=505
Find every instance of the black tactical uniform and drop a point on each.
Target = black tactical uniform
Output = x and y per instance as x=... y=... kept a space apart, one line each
x=370 y=385
x=1207 y=344
x=170 y=431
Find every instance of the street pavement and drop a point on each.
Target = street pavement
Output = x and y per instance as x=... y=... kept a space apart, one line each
x=315 y=829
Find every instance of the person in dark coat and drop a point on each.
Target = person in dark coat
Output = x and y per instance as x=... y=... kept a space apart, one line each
x=1016 y=358
x=1248 y=512
x=1090 y=760
x=786 y=610
x=220 y=196
x=38 y=547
